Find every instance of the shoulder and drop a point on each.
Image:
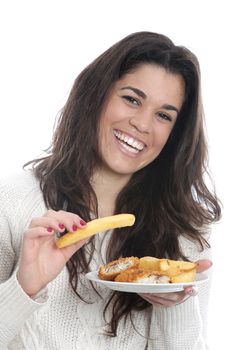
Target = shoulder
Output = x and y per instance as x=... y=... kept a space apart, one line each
x=19 y=190
x=19 y=181
x=18 y=185
x=21 y=199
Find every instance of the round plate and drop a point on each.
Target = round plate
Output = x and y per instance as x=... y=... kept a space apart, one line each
x=144 y=287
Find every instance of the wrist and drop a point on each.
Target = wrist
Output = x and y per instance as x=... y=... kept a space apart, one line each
x=27 y=285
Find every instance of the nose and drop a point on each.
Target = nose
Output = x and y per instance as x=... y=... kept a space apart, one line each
x=141 y=122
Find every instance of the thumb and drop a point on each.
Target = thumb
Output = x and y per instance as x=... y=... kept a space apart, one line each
x=73 y=248
x=203 y=265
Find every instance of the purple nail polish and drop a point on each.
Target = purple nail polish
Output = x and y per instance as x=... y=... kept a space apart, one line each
x=74 y=227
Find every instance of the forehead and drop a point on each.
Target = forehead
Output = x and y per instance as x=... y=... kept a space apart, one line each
x=156 y=82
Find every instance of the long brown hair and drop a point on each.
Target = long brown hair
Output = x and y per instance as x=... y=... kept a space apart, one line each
x=168 y=197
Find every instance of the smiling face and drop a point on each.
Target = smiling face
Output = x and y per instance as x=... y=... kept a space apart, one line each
x=138 y=117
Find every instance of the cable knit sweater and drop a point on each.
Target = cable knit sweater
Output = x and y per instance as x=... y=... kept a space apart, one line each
x=56 y=319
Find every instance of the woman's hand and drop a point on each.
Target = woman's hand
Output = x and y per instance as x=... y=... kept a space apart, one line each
x=171 y=299
x=40 y=260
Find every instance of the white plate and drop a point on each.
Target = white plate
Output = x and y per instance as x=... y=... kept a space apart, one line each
x=144 y=287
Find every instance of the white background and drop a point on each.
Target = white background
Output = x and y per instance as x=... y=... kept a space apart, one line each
x=45 y=44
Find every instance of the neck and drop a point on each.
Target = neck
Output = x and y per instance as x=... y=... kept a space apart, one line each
x=107 y=186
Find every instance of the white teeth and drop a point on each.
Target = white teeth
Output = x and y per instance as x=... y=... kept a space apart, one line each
x=131 y=141
x=129 y=148
x=134 y=145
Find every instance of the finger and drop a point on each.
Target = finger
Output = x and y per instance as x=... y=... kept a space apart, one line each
x=73 y=248
x=70 y=221
x=143 y=296
x=203 y=265
x=167 y=299
x=167 y=296
x=191 y=291
x=161 y=301
x=50 y=223
x=36 y=232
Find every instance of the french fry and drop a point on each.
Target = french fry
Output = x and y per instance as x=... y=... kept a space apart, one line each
x=165 y=264
x=171 y=271
x=183 y=277
x=149 y=263
x=96 y=226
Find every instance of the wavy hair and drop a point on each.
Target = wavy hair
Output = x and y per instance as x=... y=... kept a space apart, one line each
x=169 y=197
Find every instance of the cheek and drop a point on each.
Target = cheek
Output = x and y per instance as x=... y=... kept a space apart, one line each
x=161 y=136
x=115 y=111
x=111 y=119
x=104 y=126
x=106 y=131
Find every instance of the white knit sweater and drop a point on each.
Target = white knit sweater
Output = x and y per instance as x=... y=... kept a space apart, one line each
x=56 y=319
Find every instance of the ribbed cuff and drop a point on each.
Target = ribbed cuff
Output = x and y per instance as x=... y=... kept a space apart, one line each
x=177 y=318
x=15 y=305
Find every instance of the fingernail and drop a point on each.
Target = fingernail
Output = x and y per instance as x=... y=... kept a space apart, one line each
x=61 y=226
x=49 y=229
x=192 y=292
x=74 y=227
x=82 y=223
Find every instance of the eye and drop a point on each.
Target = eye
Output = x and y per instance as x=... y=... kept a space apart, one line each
x=131 y=100
x=165 y=116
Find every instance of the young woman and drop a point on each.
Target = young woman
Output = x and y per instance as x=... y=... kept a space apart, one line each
x=130 y=139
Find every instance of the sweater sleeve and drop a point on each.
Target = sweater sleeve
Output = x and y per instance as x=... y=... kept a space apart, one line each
x=15 y=306
x=183 y=326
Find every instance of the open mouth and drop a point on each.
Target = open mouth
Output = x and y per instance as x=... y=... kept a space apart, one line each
x=129 y=143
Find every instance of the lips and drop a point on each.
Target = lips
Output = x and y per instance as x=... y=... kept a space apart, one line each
x=130 y=143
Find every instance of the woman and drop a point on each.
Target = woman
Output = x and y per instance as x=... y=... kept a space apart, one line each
x=130 y=139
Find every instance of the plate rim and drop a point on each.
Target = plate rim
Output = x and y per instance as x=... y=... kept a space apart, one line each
x=171 y=287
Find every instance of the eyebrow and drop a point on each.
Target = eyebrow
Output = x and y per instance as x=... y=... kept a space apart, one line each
x=143 y=95
x=137 y=91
